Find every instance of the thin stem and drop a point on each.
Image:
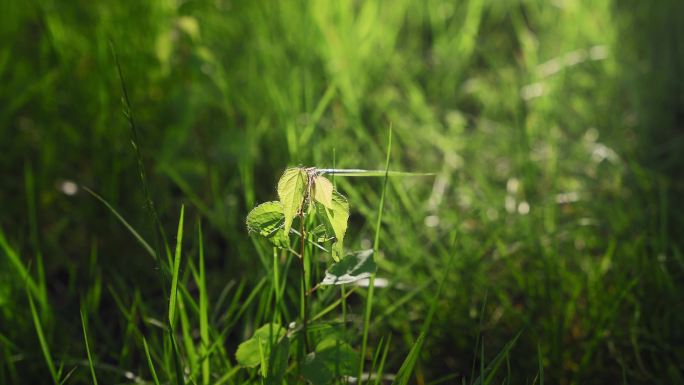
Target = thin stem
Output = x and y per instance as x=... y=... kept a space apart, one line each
x=305 y=295
x=276 y=287
x=343 y=294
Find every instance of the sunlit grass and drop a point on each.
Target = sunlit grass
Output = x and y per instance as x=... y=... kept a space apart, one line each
x=539 y=244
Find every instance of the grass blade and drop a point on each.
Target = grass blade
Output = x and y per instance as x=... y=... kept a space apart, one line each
x=118 y=216
x=203 y=312
x=24 y=274
x=540 y=358
x=228 y=376
x=67 y=376
x=180 y=379
x=376 y=243
x=488 y=373
x=176 y=269
x=410 y=362
x=404 y=373
x=173 y=300
x=149 y=362
x=383 y=359
x=85 y=339
x=41 y=340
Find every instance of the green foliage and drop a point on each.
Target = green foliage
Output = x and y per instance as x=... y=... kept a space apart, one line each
x=331 y=360
x=323 y=191
x=335 y=218
x=297 y=188
x=292 y=189
x=257 y=349
x=268 y=220
x=278 y=362
x=353 y=267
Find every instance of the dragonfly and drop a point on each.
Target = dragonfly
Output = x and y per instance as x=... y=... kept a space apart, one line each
x=314 y=172
x=361 y=172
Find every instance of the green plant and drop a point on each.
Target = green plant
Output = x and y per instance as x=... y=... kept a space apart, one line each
x=310 y=200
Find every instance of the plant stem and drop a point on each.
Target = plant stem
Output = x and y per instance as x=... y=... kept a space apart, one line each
x=305 y=300
x=276 y=287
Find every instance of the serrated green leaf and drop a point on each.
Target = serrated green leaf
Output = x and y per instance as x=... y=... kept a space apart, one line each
x=323 y=191
x=291 y=189
x=331 y=360
x=335 y=220
x=249 y=352
x=268 y=220
x=352 y=268
x=264 y=218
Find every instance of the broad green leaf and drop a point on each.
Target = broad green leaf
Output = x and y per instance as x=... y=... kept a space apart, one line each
x=267 y=220
x=291 y=189
x=335 y=220
x=352 y=268
x=323 y=191
x=331 y=360
x=249 y=352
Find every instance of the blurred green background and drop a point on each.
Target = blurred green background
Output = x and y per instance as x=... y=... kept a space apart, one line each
x=555 y=130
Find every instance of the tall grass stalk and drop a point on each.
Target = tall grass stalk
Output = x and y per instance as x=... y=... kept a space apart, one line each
x=376 y=244
x=44 y=347
x=203 y=311
x=87 y=346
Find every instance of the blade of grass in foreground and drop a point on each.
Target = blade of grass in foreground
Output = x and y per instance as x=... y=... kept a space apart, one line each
x=173 y=300
x=67 y=376
x=381 y=367
x=376 y=242
x=149 y=362
x=404 y=373
x=228 y=375
x=118 y=216
x=180 y=379
x=477 y=339
x=85 y=338
x=203 y=312
x=540 y=359
x=33 y=231
x=192 y=358
x=128 y=113
x=488 y=374
x=176 y=269
x=24 y=274
x=41 y=339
